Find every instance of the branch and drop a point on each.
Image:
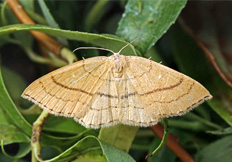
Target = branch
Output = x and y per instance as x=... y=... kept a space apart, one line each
x=48 y=42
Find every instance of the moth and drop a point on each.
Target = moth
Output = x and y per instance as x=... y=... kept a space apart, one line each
x=104 y=91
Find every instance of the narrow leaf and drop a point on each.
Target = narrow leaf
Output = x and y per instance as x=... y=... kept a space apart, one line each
x=217 y=151
x=9 y=107
x=49 y=18
x=91 y=148
x=10 y=134
x=106 y=41
x=24 y=149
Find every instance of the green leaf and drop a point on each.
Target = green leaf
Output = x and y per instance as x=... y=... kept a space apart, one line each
x=3 y=20
x=3 y=117
x=148 y=18
x=10 y=134
x=28 y=4
x=225 y=131
x=24 y=149
x=91 y=148
x=50 y=20
x=11 y=110
x=14 y=84
x=7 y=16
x=192 y=61
x=217 y=151
x=113 y=154
x=106 y=41
x=120 y=136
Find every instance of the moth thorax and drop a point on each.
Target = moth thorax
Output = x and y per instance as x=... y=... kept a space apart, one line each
x=118 y=65
x=117 y=69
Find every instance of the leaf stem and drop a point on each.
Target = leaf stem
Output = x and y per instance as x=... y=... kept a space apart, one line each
x=39 y=59
x=172 y=143
x=33 y=158
x=163 y=141
x=36 y=133
x=3 y=17
x=140 y=6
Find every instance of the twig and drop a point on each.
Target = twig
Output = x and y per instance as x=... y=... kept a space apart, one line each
x=23 y=17
x=207 y=52
x=48 y=42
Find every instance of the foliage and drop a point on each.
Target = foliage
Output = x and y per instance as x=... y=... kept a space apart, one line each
x=202 y=132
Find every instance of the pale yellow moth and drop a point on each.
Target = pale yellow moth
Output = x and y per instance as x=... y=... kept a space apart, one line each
x=104 y=91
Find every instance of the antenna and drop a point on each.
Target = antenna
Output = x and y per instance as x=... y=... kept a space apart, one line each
x=115 y=53
x=132 y=42
x=104 y=49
